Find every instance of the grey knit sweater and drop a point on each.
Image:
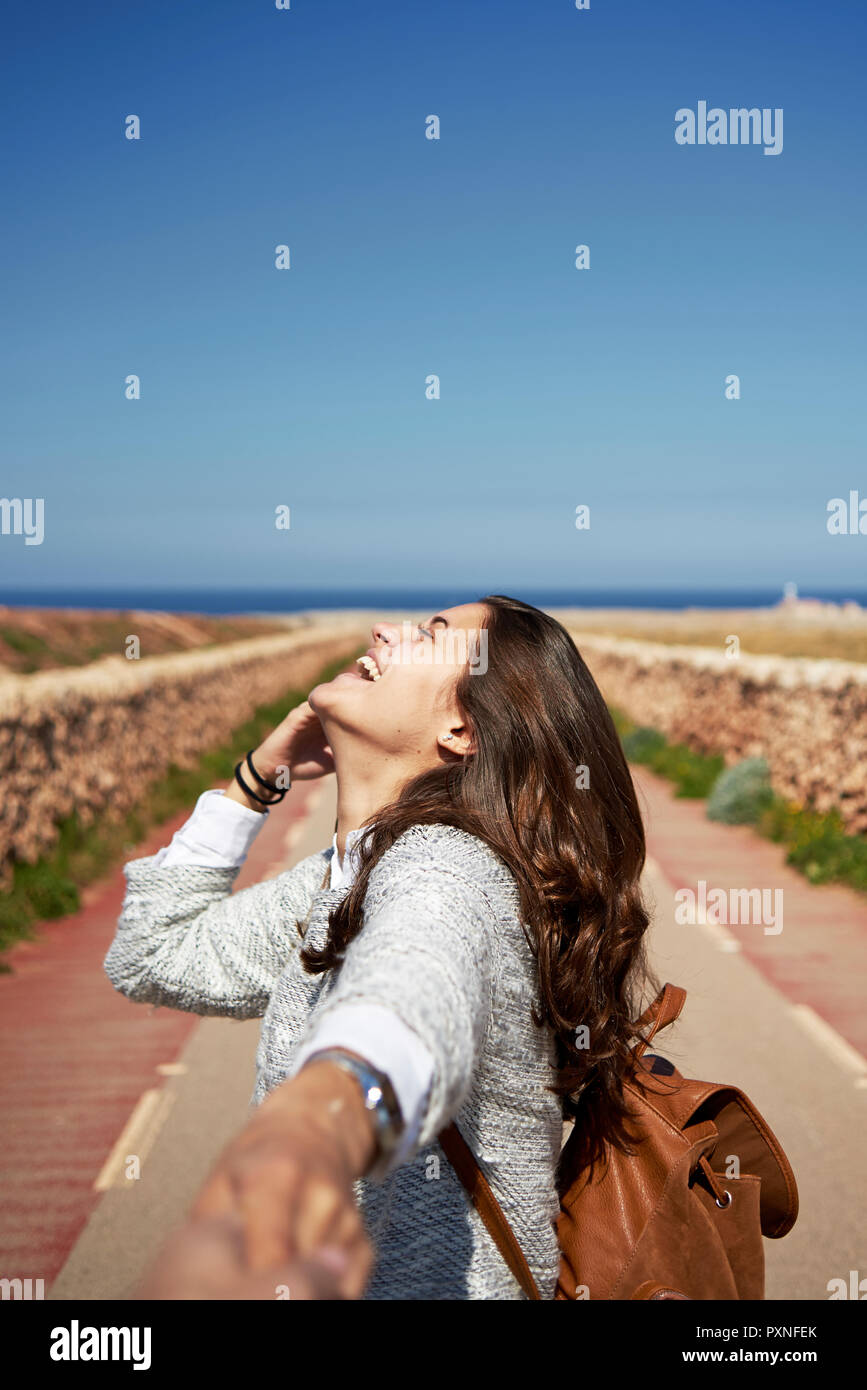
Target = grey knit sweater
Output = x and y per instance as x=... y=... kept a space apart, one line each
x=443 y=947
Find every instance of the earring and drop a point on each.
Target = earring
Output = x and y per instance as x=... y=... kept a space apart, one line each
x=446 y=737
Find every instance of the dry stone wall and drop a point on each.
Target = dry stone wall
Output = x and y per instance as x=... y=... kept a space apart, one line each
x=808 y=719
x=92 y=739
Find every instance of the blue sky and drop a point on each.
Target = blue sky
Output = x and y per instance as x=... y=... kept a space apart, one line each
x=409 y=257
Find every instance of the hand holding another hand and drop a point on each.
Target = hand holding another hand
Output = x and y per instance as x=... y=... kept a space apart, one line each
x=281 y=1198
x=204 y=1260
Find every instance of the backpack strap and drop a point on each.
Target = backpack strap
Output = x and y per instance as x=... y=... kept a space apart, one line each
x=665 y=1008
x=478 y=1189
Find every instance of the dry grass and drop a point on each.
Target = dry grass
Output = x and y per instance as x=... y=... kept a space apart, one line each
x=42 y=639
x=767 y=632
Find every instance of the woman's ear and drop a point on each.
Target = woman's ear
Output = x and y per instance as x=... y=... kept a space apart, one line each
x=458 y=741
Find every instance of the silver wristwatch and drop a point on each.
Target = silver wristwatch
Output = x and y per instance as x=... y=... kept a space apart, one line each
x=379 y=1098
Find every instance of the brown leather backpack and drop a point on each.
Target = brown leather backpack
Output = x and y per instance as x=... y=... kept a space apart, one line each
x=668 y=1222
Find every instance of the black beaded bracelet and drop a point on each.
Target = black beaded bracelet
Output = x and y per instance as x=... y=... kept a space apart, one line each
x=253 y=795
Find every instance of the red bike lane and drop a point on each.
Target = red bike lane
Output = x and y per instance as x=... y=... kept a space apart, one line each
x=75 y=1057
x=819 y=957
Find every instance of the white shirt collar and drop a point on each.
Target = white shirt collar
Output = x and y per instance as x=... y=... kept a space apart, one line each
x=343 y=875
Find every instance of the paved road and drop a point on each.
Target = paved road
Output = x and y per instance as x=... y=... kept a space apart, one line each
x=737 y=1028
x=775 y=1015
x=77 y=1060
x=206 y=1101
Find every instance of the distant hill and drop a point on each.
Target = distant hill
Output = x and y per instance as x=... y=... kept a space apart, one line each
x=39 y=639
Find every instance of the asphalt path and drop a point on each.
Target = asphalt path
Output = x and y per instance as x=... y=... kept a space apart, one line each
x=741 y=1025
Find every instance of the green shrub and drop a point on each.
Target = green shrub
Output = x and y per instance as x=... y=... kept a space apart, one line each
x=642 y=745
x=27 y=643
x=622 y=724
x=692 y=773
x=817 y=844
x=741 y=793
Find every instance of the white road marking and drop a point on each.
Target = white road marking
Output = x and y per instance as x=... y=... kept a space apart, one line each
x=847 y=1057
x=722 y=938
x=136 y=1137
x=842 y=1052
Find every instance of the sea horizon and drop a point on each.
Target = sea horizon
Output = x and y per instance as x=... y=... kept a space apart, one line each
x=257 y=601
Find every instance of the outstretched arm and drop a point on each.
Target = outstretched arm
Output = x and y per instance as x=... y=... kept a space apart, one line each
x=427 y=953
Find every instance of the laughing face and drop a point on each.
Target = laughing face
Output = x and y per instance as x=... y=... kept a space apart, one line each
x=400 y=698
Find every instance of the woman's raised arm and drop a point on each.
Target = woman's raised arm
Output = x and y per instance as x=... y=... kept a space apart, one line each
x=182 y=938
x=185 y=941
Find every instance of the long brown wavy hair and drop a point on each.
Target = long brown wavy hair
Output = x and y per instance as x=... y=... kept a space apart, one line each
x=549 y=790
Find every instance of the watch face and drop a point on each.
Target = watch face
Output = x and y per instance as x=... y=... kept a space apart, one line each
x=379 y=1097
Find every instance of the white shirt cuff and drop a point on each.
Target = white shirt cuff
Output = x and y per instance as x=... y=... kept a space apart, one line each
x=218 y=834
x=385 y=1041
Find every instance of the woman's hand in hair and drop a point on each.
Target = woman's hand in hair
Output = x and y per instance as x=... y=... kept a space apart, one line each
x=287 y=1178
x=297 y=744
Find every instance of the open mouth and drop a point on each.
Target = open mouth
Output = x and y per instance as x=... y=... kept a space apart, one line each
x=369 y=669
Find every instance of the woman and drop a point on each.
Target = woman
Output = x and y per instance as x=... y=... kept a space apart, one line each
x=469 y=949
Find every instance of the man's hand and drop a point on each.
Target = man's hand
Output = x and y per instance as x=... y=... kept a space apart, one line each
x=204 y=1260
x=286 y=1181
